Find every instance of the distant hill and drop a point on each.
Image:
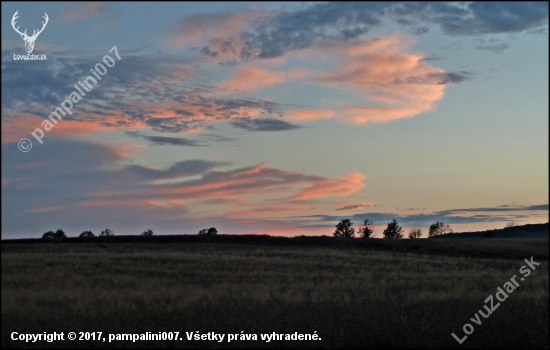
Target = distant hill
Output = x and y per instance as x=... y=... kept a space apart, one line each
x=523 y=231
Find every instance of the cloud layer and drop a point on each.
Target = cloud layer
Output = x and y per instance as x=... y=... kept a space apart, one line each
x=272 y=35
x=72 y=184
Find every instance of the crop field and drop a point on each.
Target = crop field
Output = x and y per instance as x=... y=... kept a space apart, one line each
x=348 y=296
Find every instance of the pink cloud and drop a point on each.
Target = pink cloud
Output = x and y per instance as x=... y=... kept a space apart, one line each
x=46 y=209
x=257 y=181
x=394 y=82
x=15 y=129
x=306 y=115
x=252 y=78
x=82 y=10
x=339 y=187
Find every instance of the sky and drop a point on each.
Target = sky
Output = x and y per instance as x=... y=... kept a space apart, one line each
x=273 y=118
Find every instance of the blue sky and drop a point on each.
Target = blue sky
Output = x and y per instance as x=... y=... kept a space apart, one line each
x=277 y=118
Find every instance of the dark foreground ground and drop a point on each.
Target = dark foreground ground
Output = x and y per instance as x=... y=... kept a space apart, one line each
x=350 y=293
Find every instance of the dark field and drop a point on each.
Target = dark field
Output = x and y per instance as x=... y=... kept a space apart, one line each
x=381 y=293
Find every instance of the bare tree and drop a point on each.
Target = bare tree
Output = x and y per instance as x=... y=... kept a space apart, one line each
x=415 y=233
x=367 y=230
x=510 y=225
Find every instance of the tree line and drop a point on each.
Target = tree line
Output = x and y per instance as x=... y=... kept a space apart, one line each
x=345 y=228
x=108 y=232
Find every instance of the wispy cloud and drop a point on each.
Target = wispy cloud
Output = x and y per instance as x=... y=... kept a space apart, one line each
x=497 y=48
x=252 y=78
x=82 y=181
x=339 y=187
x=174 y=141
x=353 y=207
x=83 y=10
x=450 y=216
x=265 y=124
x=305 y=115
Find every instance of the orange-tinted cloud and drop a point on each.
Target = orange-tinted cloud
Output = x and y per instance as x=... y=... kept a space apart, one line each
x=363 y=114
x=14 y=129
x=82 y=10
x=339 y=187
x=46 y=209
x=306 y=115
x=257 y=181
x=253 y=78
x=103 y=185
x=394 y=82
x=181 y=117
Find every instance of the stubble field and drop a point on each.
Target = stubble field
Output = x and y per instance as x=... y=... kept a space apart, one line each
x=350 y=296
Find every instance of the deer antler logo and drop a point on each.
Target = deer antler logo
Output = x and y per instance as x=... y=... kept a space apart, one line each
x=29 y=40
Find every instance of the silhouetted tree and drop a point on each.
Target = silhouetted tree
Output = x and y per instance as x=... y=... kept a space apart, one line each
x=415 y=233
x=210 y=231
x=107 y=232
x=510 y=225
x=87 y=234
x=438 y=228
x=59 y=234
x=49 y=234
x=344 y=229
x=148 y=232
x=393 y=230
x=367 y=230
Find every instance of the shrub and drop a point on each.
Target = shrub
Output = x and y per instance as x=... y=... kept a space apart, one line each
x=107 y=232
x=49 y=234
x=148 y=232
x=59 y=234
x=87 y=234
x=210 y=231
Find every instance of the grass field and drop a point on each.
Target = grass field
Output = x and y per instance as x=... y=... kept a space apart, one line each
x=351 y=296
